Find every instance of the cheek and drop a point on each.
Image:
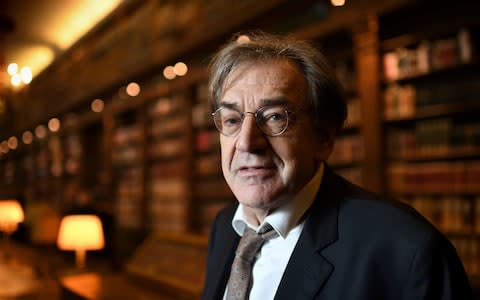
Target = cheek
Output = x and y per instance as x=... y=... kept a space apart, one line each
x=226 y=150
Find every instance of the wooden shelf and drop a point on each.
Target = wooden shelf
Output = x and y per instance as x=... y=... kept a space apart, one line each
x=437 y=110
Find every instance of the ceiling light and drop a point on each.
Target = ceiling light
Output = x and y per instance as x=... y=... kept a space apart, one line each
x=40 y=131
x=97 y=105
x=337 y=2
x=26 y=75
x=12 y=69
x=169 y=73
x=180 y=69
x=16 y=80
x=133 y=89
x=242 y=39
x=12 y=143
x=27 y=137
x=54 y=124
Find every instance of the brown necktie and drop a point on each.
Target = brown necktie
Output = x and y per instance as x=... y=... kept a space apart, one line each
x=250 y=243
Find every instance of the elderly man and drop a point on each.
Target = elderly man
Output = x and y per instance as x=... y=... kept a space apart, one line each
x=298 y=230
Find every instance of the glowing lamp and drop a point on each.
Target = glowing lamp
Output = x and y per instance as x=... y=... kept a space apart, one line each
x=80 y=233
x=11 y=213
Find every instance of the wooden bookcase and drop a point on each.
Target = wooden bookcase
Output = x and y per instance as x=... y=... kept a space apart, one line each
x=430 y=82
x=412 y=77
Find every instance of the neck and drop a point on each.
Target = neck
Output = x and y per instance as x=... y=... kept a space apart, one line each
x=255 y=216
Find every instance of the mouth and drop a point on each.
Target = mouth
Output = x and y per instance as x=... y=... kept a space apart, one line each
x=254 y=170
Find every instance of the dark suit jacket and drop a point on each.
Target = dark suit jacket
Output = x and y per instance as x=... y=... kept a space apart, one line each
x=355 y=245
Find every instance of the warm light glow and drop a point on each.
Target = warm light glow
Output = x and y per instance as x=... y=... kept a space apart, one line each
x=40 y=131
x=79 y=17
x=242 y=39
x=12 y=69
x=54 y=124
x=26 y=75
x=97 y=105
x=4 y=147
x=11 y=213
x=67 y=22
x=169 y=73
x=27 y=137
x=16 y=80
x=12 y=142
x=180 y=69
x=80 y=233
x=36 y=58
x=337 y=2
x=133 y=89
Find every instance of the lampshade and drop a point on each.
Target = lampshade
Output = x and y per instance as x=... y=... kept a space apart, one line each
x=80 y=233
x=11 y=213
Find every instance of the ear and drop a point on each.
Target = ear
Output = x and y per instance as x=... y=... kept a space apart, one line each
x=326 y=142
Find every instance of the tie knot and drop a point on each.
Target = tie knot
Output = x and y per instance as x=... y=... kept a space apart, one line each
x=251 y=242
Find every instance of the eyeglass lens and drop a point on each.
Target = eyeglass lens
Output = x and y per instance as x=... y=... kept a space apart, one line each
x=272 y=120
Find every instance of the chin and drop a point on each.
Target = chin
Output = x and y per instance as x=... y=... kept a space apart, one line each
x=258 y=198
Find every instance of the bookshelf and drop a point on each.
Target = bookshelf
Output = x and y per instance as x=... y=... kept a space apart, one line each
x=168 y=149
x=211 y=192
x=412 y=78
x=430 y=83
x=348 y=153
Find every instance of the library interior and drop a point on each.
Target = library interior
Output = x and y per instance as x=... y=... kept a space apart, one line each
x=111 y=132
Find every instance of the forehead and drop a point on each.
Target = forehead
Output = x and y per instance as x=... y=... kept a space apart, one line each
x=265 y=80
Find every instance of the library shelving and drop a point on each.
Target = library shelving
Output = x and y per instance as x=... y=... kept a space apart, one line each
x=430 y=84
x=410 y=73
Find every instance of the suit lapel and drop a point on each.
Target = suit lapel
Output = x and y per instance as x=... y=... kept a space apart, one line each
x=224 y=254
x=308 y=271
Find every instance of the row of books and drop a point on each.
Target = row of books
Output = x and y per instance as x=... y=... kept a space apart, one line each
x=168 y=203
x=434 y=177
x=208 y=211
x=450 y=213
x=428 y=56
x=469 y=252
x=208 y=165
x=207 y=141
x=173 y=168
x=353 y=174
x=127 y=156
x=354 y=112
x=348 y=149
x=404 y=100
x=346 y=74
x=434 y=138
x=128 y=201
x=127 y=135
x=168 y=148
x=160 y=127
x=201 y=115
x=165 y=106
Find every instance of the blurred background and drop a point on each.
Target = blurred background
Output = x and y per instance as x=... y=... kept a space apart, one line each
x=103 y=113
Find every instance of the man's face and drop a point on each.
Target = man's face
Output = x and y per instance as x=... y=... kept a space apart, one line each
x=263 y=171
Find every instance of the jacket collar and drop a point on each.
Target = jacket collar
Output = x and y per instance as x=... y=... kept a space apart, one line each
x=308 y=271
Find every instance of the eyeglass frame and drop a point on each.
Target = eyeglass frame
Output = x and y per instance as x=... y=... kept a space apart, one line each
x=256 y=115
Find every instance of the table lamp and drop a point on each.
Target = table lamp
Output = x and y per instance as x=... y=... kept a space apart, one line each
x=80 y=233
x=11 y=214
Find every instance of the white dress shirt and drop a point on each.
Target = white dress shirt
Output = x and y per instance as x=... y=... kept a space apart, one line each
x=273 y=257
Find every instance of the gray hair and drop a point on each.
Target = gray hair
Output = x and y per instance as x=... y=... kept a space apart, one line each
x=325 y=98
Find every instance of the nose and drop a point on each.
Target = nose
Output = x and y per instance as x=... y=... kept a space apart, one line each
x=250 y=138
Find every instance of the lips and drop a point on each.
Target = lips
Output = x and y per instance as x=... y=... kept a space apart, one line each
x=255 y=170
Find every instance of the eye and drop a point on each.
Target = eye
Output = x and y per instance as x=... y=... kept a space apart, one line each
x=230 y=118
x=274 y=114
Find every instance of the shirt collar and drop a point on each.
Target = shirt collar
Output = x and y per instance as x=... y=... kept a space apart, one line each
x=286 y=217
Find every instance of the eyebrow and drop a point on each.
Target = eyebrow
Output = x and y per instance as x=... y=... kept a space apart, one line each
x=280 y=100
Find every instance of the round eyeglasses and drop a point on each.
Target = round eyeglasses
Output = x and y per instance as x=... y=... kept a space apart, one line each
x=271 y=120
